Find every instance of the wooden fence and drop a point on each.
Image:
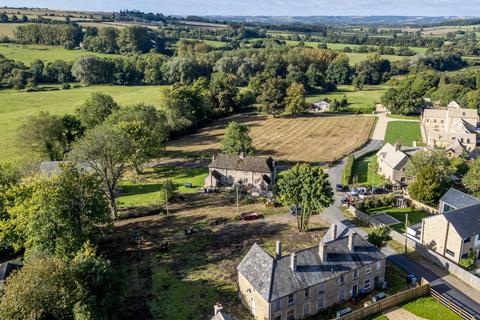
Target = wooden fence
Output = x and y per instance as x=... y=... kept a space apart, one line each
x=389 y=302
x=451 y=305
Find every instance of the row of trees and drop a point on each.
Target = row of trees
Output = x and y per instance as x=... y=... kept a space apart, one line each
x=407 y=96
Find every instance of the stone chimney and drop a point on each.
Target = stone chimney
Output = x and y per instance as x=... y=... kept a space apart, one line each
x=334 y=231
x=242 y=155
x=398 y=146
x=217 y=308
x=293 y=262
x=278 y=249
x=351 y=241
x=322 y=251
x=213 y=158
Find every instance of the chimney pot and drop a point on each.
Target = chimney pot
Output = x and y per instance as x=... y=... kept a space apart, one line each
x=217 y=308
x=322 y=251
x=278 y=249
x=334 y=231
x=242 y=155
x=351 y=241
x=398 y=146
x=293 y=262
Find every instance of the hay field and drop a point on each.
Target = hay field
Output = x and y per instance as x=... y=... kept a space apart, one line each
x=311 y=138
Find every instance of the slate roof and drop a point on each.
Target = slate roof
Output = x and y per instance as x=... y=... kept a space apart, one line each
x=277 y=280
x=7 y=268
x=458 y=199
x=246 y=163
x=396 y=158
x=466 y=221
x=456 y=146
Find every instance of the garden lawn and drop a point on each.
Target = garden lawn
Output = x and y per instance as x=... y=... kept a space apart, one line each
x=363 y=100
x=150 y=191
x=414 y=216
x=365 y=171
x=28 y=53
x=403 y=132
x=16 y=106
x=428 y=308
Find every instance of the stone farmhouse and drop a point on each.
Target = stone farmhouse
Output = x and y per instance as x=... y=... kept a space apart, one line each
x=456 y=230
x=321 y=106
x=441 y=126
x=392 y=161
x=250 y=171
x=301 y=284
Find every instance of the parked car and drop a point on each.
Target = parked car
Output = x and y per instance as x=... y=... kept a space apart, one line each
x=251 y=215
x=343 y=312
x=411 y=278
x=380 y=190
x=295 y=210
x=341 y=188
x=378 y=297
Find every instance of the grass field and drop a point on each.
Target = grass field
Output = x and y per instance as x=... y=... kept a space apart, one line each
x=27 y=53
x=311 y=138
x=414 y=216
x=428 y=308
x=6 y=29
x=213 y=43
x=365 y=171
x=358 y=100
x=16 y=106
x=404 y=132
x=149 y=191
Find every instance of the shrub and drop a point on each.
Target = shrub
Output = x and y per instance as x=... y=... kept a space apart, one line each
x=65 y=86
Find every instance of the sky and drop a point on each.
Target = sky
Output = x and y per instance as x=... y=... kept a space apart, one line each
x=268 y=7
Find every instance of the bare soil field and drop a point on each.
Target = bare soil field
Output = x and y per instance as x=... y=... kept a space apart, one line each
x=310 y=138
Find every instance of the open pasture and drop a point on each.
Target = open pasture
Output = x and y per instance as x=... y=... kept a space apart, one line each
x=16 y=106
x=312 y=138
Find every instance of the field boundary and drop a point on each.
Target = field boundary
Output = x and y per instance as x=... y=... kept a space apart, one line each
x=452 y=306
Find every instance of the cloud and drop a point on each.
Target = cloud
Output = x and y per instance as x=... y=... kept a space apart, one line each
x=268 y=7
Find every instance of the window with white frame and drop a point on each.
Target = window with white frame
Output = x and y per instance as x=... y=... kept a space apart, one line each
x=321 y=288
x=307 y=293
x=368 y=269
x=290 y=298
x=367 y=284
x=355 y=274
x=341 y=295
x=306 y=309
x=291 y=315
x=341 y=280
x=379 y=265
x=320 y=303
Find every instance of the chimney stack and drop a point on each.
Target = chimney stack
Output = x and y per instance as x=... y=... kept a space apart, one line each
x=351 y=241
x=398 y=146
x=278 y=249
x=293 y=262
x=217 y=308
x=242 y=155
x=322 y=251
x=334 y=231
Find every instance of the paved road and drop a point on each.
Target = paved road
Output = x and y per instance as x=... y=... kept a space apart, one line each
x=333 y=214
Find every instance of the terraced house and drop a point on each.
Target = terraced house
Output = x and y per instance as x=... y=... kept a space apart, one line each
x=295 y=286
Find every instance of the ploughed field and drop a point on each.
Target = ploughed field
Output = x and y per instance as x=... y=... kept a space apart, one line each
x=310 y=138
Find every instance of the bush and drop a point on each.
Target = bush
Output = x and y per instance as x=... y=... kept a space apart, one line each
x=65 y=86
x=348 y=170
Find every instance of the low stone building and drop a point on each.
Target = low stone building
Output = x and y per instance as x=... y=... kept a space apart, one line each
x=251 y=171
x=305 y=282
x=392 y=161
x=456 y=230
x=321 y=106
x=441 y=126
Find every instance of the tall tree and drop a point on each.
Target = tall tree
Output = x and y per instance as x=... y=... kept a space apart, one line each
x=295 y=99
x=429 y=185
x=308 y=187
x=96 y=109
x=236 y=139
x=471 y=180
x=55 y=215
x=107 y=150
x=272 y=95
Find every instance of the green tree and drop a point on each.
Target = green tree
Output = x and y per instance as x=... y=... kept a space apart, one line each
x=224 y=92
x=306 y=186
x=273 y=95
x=55 y=215
x=96 y=109
x=91 y=70
x=106 y=149
x=471 y=180
x=435 y=158
x=379 y=237
x=429 y=185
x=146 y=128
x=236 y=139
x=295 y=99
x=338 y=71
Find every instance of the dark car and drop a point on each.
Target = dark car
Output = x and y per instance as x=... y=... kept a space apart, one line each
x=378 y=297
x=379 y=190
x=341 y=188
x=295 y=210
x=411 y=278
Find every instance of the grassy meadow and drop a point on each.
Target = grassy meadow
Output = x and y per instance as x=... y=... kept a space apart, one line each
x=404 y=132
x=6 y=29
x=365 y=171
x=16 y=106
x=27 y=53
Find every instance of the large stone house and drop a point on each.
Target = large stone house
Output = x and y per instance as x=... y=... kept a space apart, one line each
x=392 y=161
x=456 y=230
x=256 y=172
x=441 y=126
x=295 y=286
